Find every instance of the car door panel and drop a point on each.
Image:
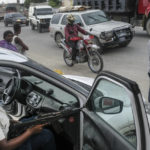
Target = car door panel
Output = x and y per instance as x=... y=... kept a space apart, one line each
x=99 y=135
x=119 y=134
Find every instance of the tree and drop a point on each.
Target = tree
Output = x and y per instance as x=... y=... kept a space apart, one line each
x=27 y=2
x=54 y=3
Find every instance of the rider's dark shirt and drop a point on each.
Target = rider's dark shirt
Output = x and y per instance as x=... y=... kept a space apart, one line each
x=72 y=31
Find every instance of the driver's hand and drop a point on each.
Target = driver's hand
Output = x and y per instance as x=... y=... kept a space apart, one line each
x=36 y=129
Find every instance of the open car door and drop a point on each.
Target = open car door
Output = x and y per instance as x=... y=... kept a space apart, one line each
x=115 y=117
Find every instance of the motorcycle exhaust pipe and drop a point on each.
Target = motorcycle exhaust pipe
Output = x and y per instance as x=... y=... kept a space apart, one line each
x=64 y=47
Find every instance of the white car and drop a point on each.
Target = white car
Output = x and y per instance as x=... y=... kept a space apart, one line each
x=107 y=32
x=79 y=119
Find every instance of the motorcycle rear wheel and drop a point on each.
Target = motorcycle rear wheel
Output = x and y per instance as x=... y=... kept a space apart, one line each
x=95 y=62
x=67 y=58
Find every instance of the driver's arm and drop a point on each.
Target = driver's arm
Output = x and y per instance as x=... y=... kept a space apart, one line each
x=16 y=142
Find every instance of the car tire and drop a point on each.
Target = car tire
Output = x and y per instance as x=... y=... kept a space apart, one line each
x=6 y=24
x=124 y=44
x=39 y=28
x=32 y=26
x=58 y=38
x=27 y=23
x=148 y=26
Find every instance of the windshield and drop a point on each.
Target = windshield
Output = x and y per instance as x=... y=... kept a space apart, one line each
x=95 y=17
x=17 y=15
x=44 y=11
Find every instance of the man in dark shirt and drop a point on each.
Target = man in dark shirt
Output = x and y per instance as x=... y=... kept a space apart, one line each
x=71 y=30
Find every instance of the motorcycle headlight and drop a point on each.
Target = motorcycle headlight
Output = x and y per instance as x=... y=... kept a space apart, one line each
x=106 y=35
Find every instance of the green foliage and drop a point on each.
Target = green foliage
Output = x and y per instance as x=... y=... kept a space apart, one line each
x=27 y=2
x=54 y=3
x=38 y=1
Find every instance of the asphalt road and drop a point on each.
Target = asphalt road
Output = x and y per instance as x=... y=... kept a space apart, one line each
x=131 y=61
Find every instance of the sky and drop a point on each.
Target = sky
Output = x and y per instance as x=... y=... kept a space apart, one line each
x=11 y=1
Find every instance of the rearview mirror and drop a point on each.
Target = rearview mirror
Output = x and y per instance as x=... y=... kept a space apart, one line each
x=110 y=106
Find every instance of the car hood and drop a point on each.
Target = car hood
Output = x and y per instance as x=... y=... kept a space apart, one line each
x=108 y=26
x=44 y=16
x=9 y=55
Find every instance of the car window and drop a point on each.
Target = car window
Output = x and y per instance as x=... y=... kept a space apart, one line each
x=94 y=17
x=17 y=15
x=56 y=18
x=43 y=11
x=106 y=106
x=77 y=20
x=34 y=91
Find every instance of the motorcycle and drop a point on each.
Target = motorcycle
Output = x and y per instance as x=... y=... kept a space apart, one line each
x=87 y=52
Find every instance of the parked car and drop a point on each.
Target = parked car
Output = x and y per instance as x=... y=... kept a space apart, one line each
x=30 y=89
x=107 y=32
x=15 y=17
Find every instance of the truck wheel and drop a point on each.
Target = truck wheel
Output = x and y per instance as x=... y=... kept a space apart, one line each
x=39 y=28
x=32 y=26
x=27 y=23
x=6 y=24
x=124 y=44
x=148 y=26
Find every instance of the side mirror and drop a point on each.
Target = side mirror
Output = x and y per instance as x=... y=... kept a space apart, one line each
x=110 y=105
x=91 y=29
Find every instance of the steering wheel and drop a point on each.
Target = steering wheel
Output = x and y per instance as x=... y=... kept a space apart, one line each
x=10 y=90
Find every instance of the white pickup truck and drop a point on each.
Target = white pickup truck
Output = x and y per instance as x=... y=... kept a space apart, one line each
x=39 y=17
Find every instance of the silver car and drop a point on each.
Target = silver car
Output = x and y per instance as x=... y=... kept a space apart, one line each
x=107 y=32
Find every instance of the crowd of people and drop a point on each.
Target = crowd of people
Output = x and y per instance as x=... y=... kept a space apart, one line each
x=12 y=41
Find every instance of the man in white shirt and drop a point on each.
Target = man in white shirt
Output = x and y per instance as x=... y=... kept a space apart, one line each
x=32 y=139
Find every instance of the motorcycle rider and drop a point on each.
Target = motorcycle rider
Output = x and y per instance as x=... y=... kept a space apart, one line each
x=71 y=30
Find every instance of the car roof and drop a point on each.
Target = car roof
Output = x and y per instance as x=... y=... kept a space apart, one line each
x=42 y=6
x=79 y=12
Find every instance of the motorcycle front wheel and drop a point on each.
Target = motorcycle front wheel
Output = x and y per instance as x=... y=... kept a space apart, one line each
x=95 y=62
x=67 y=58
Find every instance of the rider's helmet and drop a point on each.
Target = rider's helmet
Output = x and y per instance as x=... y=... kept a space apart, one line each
x=71 y=19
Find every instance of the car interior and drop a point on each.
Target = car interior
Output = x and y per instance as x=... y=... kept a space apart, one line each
x=26 y=96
